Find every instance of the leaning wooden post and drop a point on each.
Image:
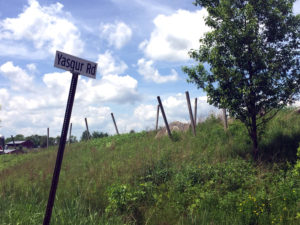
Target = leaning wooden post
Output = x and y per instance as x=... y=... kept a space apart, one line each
x=70 y=134
x=164 y=116
x=157 y=117
x=195 y=115
x=113 y=118
x=87 y=128
x=190 y=111
x=225 y=120
x=48 y=137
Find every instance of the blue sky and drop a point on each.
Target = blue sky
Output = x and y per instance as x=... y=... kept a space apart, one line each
x=140 y=47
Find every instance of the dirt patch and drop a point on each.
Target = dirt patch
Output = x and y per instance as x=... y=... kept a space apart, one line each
x=174 y=126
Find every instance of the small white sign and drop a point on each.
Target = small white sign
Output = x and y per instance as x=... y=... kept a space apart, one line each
x=75 y=64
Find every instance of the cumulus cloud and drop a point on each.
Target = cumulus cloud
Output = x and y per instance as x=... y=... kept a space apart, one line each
x=31 y=112
x=117 y=34
x=174 y=35
x=176 y=109
x=296 y=7
x=18 y=77
x=31 y=67
x=45 y=27
x=146 y=69
x=145 y=112
x=108 y=65
x=4 y=95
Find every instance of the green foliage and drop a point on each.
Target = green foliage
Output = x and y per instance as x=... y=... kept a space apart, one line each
x=297 y=165
x=85 y=136
x=97 y=134
x=253 y=57
x=73 y=139
x=37 y=140
x=175 y=136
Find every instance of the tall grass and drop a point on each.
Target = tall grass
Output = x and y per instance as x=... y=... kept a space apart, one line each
x=136 y=179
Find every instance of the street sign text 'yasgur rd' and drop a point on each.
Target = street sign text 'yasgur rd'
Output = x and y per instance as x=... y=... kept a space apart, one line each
x=75 y=64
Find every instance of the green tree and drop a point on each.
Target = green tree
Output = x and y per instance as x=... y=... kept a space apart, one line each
x=35 y=139
x=252 y=53
x=19 y=137
x=97 y=134
x=57 y=140
x=73 y=139
x=85 y=136
x=43 y=141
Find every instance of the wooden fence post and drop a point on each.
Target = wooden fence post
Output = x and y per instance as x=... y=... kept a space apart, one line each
x=190 y=111
x=195 y=115
x=48 y=137
x=225 y=120
x=164 y=116
x=113 y=118
x=87 y=128
x=157 y=117
x=70 y=134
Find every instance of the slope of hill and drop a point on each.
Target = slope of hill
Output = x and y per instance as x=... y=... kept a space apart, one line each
x=135 y=179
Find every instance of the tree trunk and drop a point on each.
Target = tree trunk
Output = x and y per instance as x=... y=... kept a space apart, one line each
x=254 y=137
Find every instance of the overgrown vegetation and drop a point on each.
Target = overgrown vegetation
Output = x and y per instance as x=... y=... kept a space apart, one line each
x=135 y=179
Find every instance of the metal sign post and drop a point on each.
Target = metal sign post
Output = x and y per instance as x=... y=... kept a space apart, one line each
x=86 y=68
x=61 y=149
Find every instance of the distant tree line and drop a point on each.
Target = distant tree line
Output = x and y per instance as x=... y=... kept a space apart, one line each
x=96 y=134
x=40 y=141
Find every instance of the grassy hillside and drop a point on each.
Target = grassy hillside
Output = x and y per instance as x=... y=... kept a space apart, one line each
x=135 y=179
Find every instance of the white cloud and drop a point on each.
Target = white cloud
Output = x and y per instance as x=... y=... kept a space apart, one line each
x=107 y=64
x=45 y=27
x=174 y=35
x=117 y=34
x=111 y=88
x=31 y=67
x=296 y=7
x=176 y=107
x=18 y=77
x=144 y=116
x=145 y=112
x=31 y=112
x=4 y=95
x=146 y=69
